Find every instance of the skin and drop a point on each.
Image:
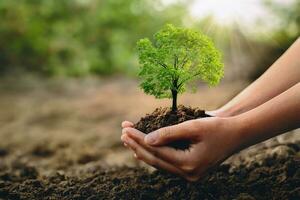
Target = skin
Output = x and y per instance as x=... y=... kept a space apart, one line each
x=246 y=120
x=285 y=71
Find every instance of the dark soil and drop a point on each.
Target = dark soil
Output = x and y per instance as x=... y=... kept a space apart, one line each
x=3 y=152
x=276 y=178
x=162 y=117
x=42 y=151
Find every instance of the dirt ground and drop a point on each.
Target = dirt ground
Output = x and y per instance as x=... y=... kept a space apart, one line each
x=65 y=135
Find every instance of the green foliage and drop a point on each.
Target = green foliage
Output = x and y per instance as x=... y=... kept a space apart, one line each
x=77 y=37
x=177 y=57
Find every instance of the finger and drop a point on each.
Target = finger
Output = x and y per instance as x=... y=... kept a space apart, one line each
x=212 y=113
x=124 y=131
x=124 y=143
x=147 y=157
x=127 y=124
x=184 y=131
x=168 y=154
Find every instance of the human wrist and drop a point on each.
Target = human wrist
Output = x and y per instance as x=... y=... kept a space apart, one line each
x=226 y=111
x=221 y=112
x=244 y=132
x=237 y=133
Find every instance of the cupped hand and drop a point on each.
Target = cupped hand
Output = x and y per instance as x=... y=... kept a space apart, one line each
x=213 y=140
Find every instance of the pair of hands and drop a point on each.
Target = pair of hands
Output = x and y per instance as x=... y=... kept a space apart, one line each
x=213 y=140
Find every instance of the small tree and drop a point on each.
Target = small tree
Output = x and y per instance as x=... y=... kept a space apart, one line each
x=178 y=57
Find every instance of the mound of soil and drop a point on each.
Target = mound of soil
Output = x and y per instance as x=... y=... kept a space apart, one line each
x=275 y=178
x=162 y=117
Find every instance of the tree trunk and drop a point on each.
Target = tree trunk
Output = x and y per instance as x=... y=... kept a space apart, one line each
x=174 y=104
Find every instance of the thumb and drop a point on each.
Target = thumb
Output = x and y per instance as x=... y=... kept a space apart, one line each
x=212 y=113
x=166 y=135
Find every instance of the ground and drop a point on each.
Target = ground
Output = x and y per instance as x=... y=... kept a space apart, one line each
x=60 y=139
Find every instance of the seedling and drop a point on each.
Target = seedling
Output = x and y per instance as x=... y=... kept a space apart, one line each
x=176 y=59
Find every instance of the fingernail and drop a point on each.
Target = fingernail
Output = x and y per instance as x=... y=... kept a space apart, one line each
x=124 y=138
x=124 y=130
x=126 y=145
x=151 y=138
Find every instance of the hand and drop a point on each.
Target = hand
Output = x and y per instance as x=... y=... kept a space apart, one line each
x=213 y=140
x=226 y=111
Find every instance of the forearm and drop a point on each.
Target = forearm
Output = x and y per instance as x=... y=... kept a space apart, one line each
x=270 y=119
x=282 y=75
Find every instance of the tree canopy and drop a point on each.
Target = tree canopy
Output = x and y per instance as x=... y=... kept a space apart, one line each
x=177 y=58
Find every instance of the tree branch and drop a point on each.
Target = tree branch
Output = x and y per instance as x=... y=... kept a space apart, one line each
x=183 y=81
x=184 y=61
x=174 y=83
x=162 y=64
x=176 y=62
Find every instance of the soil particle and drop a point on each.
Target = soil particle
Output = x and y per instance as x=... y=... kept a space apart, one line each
x=162 y=117
x=86 y=158
x=3 y=152
x=42 y=151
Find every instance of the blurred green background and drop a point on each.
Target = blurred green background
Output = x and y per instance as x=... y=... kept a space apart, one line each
x=87 y=37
